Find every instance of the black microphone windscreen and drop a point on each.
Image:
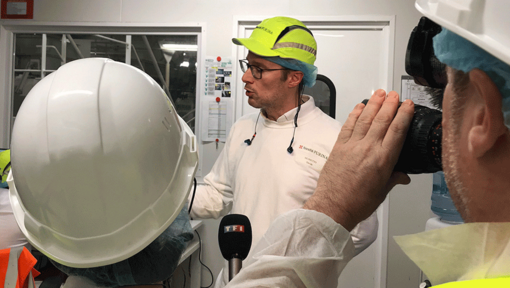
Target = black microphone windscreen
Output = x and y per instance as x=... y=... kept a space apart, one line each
x=234 y=236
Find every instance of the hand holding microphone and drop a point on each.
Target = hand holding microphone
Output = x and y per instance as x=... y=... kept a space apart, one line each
x=234 y=237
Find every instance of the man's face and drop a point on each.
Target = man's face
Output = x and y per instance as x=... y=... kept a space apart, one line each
x=269 y=92
x=453 y=165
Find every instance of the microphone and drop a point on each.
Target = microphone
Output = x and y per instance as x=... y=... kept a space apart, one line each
x=234 y=237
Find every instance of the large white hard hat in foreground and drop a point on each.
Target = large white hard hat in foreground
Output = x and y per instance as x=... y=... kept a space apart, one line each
x=483 y=22
x=101 y=163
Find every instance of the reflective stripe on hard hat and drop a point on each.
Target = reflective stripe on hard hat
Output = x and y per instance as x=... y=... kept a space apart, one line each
x=295 y=45
x=492 y=283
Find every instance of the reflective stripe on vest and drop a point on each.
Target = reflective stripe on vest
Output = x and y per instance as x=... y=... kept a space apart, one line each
x=491 y=283
x=9 y=266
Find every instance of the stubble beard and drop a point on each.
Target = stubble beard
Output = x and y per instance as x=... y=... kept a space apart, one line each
x=451 y=166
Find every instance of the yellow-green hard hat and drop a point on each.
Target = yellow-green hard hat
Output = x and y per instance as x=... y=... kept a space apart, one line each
x=5 y=164
x=281 y=36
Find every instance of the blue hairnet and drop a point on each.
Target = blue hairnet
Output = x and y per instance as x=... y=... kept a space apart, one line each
x=461 y=54
x=154 y=263
x=309 y=71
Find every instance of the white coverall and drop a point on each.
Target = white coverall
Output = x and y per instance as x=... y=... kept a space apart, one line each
x=263 y=180
x=10 y=234
x=304 y=248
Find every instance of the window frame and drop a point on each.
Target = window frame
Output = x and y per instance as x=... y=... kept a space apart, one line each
x=8 y=29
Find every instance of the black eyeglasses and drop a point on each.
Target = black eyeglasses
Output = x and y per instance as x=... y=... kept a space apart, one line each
x=255 y=70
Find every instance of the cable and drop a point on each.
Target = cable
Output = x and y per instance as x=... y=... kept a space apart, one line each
x=184 y=274
x=200 y=260
x=249 y=141
x=290 y=149
x=189 y=266
x=193 y=196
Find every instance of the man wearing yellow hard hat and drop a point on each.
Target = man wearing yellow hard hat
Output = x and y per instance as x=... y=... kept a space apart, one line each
x=272 y=159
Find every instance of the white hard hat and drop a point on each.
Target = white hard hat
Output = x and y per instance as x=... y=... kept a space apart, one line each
x=101 y=163
x=484 y=22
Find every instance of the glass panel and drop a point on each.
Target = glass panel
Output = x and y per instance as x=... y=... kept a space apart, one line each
x=54 y=51
x=23 y=83
x=324 y=93
x=27 y=54
x=171 y=60
x=105 y=46
x=320 y=93
x=176 y=59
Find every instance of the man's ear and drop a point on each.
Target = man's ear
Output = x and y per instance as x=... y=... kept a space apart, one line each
x=488 y=123
x=295 y=78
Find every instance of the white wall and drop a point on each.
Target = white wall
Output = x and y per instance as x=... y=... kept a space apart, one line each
x=409 y=206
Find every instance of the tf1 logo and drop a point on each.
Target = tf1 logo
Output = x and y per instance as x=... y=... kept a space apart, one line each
x=233 y=228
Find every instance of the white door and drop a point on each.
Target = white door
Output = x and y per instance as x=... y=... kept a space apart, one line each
x=356 y=53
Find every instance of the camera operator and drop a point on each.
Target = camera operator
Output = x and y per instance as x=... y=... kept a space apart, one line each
x=359 y=172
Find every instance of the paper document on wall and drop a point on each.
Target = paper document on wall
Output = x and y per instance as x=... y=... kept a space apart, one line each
x=415 y=92
x=217 y=117
x=218 y=77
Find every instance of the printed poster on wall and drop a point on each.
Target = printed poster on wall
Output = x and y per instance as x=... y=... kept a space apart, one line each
x=216 y=119
x=218 y=77
x=17 y=9
x=217 y=104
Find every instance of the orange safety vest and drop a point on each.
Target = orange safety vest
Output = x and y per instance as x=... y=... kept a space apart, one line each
x=503 y=282
x=17 y=268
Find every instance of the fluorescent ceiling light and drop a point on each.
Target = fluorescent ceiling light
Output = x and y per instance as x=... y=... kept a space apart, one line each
x=179 y=47
x=185 y=64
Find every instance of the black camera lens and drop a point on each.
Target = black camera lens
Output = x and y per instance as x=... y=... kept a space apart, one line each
x=422 y=149
x=421 y=152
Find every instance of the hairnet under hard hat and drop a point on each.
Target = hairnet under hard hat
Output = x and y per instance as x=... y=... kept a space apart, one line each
x=461 y=54
x=155 y=263
x=309 y=71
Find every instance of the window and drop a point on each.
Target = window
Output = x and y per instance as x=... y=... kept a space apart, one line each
x=170 y=59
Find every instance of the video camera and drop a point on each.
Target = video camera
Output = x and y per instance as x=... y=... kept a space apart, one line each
x=422 y=148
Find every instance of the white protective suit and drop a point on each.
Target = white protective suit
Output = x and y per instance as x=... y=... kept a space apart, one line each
x=10 y=234
x=263 y=180
x=462 y=252
x=302 y=248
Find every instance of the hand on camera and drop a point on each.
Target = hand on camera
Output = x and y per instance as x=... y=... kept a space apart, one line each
x=359 y=172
